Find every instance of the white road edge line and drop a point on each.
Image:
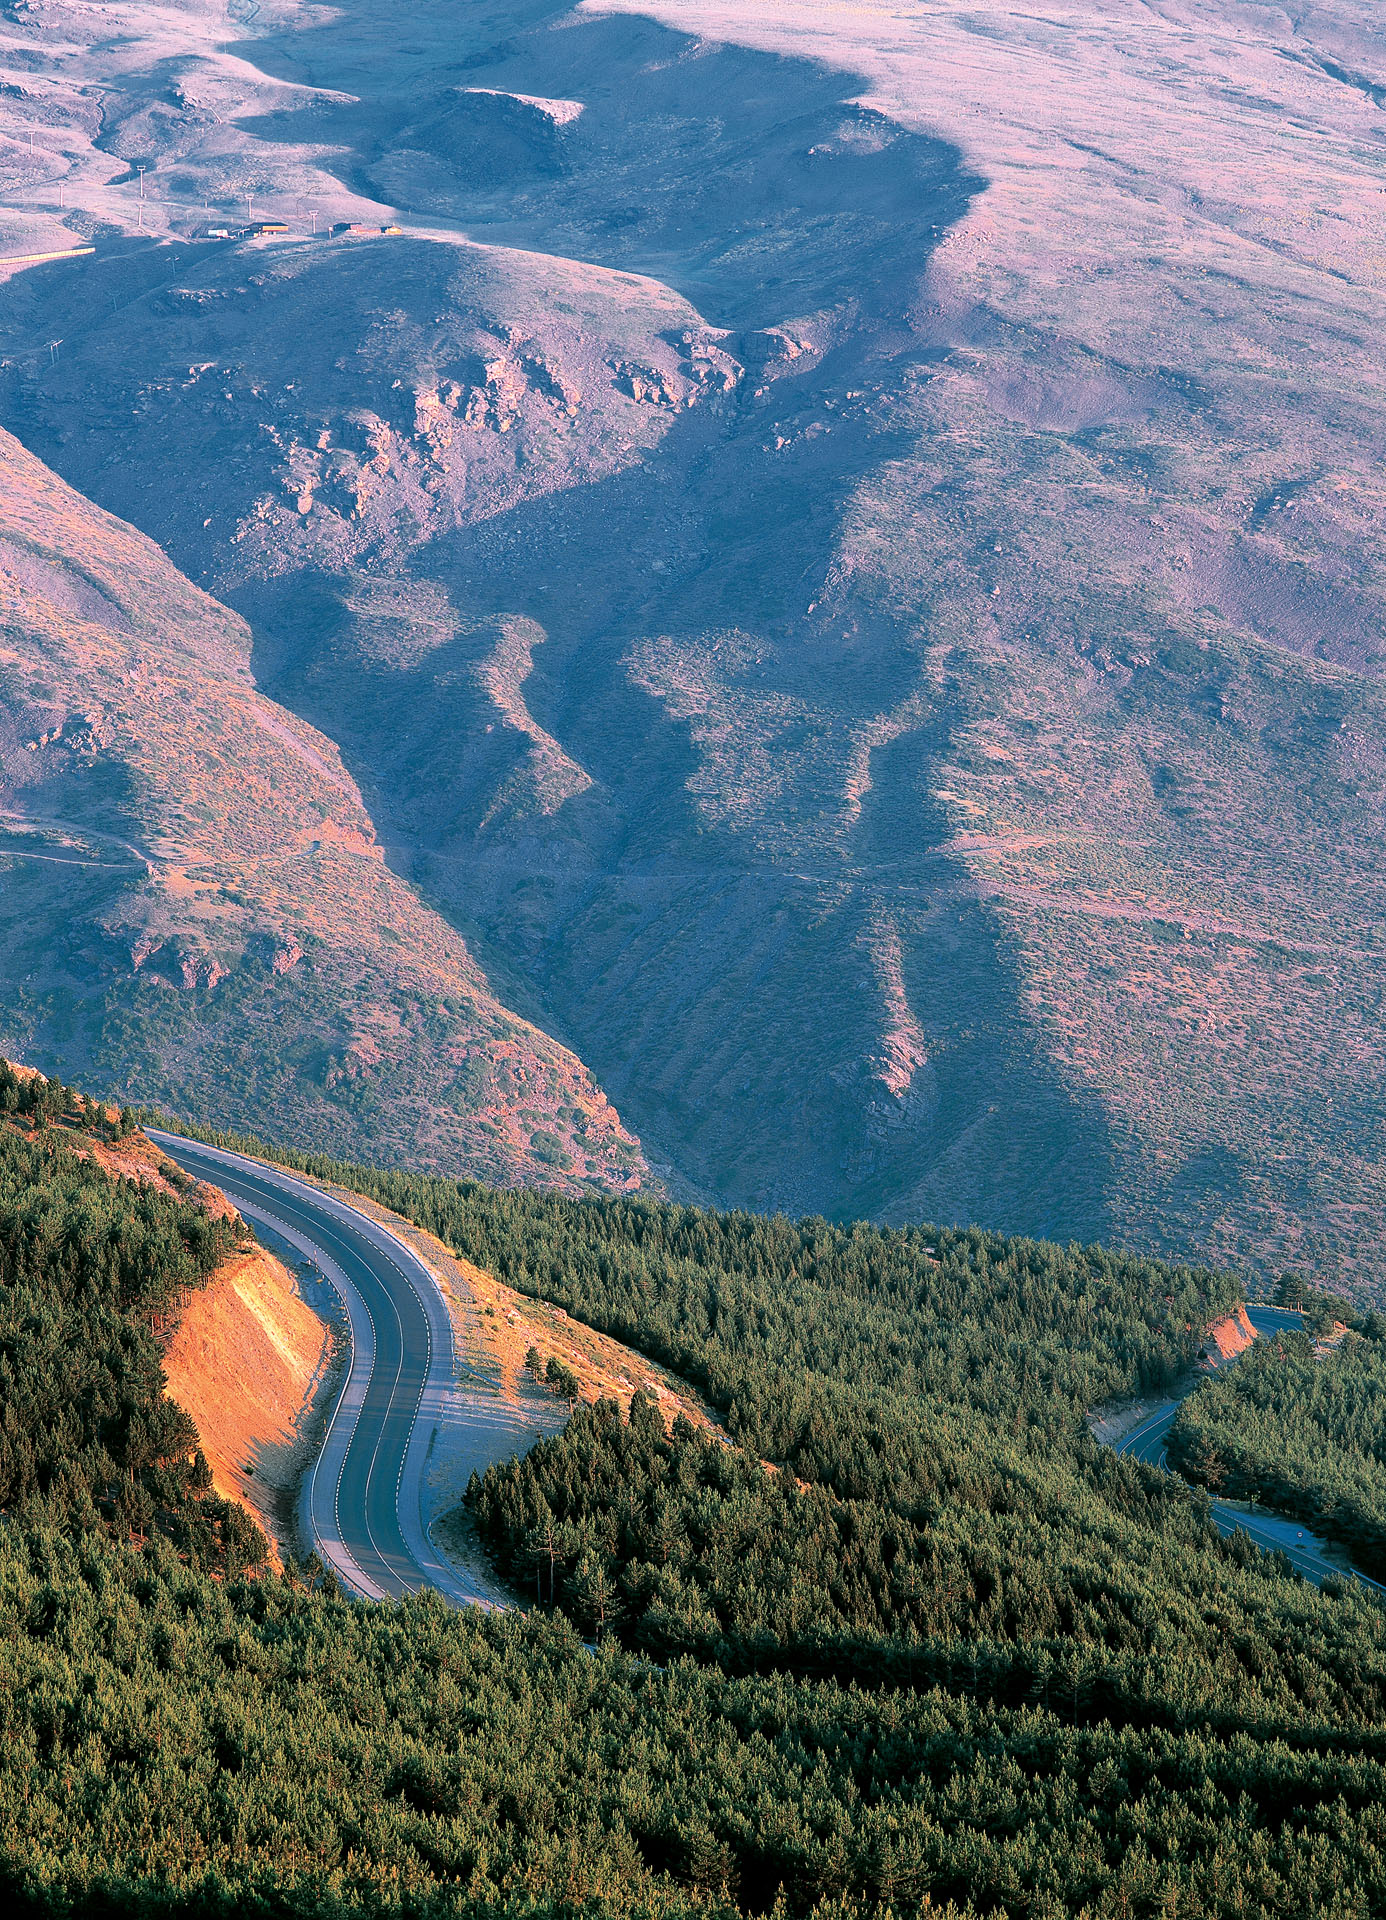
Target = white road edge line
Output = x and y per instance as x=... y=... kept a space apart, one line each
x=331 y=1548
x=434 y=1388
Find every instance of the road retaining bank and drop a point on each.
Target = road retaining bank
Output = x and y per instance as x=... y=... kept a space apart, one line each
x=322 y=1512
x=317 y=1507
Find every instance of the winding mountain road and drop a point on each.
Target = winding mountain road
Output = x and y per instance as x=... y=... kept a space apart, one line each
x=1303 y=1549
x=362 y=1499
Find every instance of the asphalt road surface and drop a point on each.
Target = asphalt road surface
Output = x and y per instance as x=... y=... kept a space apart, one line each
x=1303 y=1549
x=362 y=1500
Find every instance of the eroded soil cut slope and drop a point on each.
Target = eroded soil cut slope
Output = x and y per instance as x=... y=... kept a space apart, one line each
x=252 y=1362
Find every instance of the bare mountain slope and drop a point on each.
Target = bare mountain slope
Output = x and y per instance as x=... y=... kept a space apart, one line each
x=857 y=579
x=194 y=904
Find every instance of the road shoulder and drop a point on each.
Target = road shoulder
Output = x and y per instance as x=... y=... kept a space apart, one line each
x=496 y=1408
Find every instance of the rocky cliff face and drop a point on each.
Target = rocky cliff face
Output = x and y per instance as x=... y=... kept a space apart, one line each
x=866 y=612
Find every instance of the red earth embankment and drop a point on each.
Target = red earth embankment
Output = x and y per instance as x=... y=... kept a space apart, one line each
x=247 y=1363
x=1228 y=1337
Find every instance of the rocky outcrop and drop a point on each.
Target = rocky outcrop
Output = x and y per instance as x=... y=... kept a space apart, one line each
x=1009 y=583
x=81 y=733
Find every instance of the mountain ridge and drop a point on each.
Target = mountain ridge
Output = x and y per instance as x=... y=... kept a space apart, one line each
x=850 y=579
x=240 y=937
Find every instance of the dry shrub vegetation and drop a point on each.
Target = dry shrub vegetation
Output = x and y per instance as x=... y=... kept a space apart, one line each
x=196 y=902
x=866 y=606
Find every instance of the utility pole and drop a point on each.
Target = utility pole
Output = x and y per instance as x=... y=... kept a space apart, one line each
x=141 y=171
x=315 y=222
x=247 y=210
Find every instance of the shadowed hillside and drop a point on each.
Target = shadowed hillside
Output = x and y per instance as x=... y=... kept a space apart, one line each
x=194 y=905
x=860 y=597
